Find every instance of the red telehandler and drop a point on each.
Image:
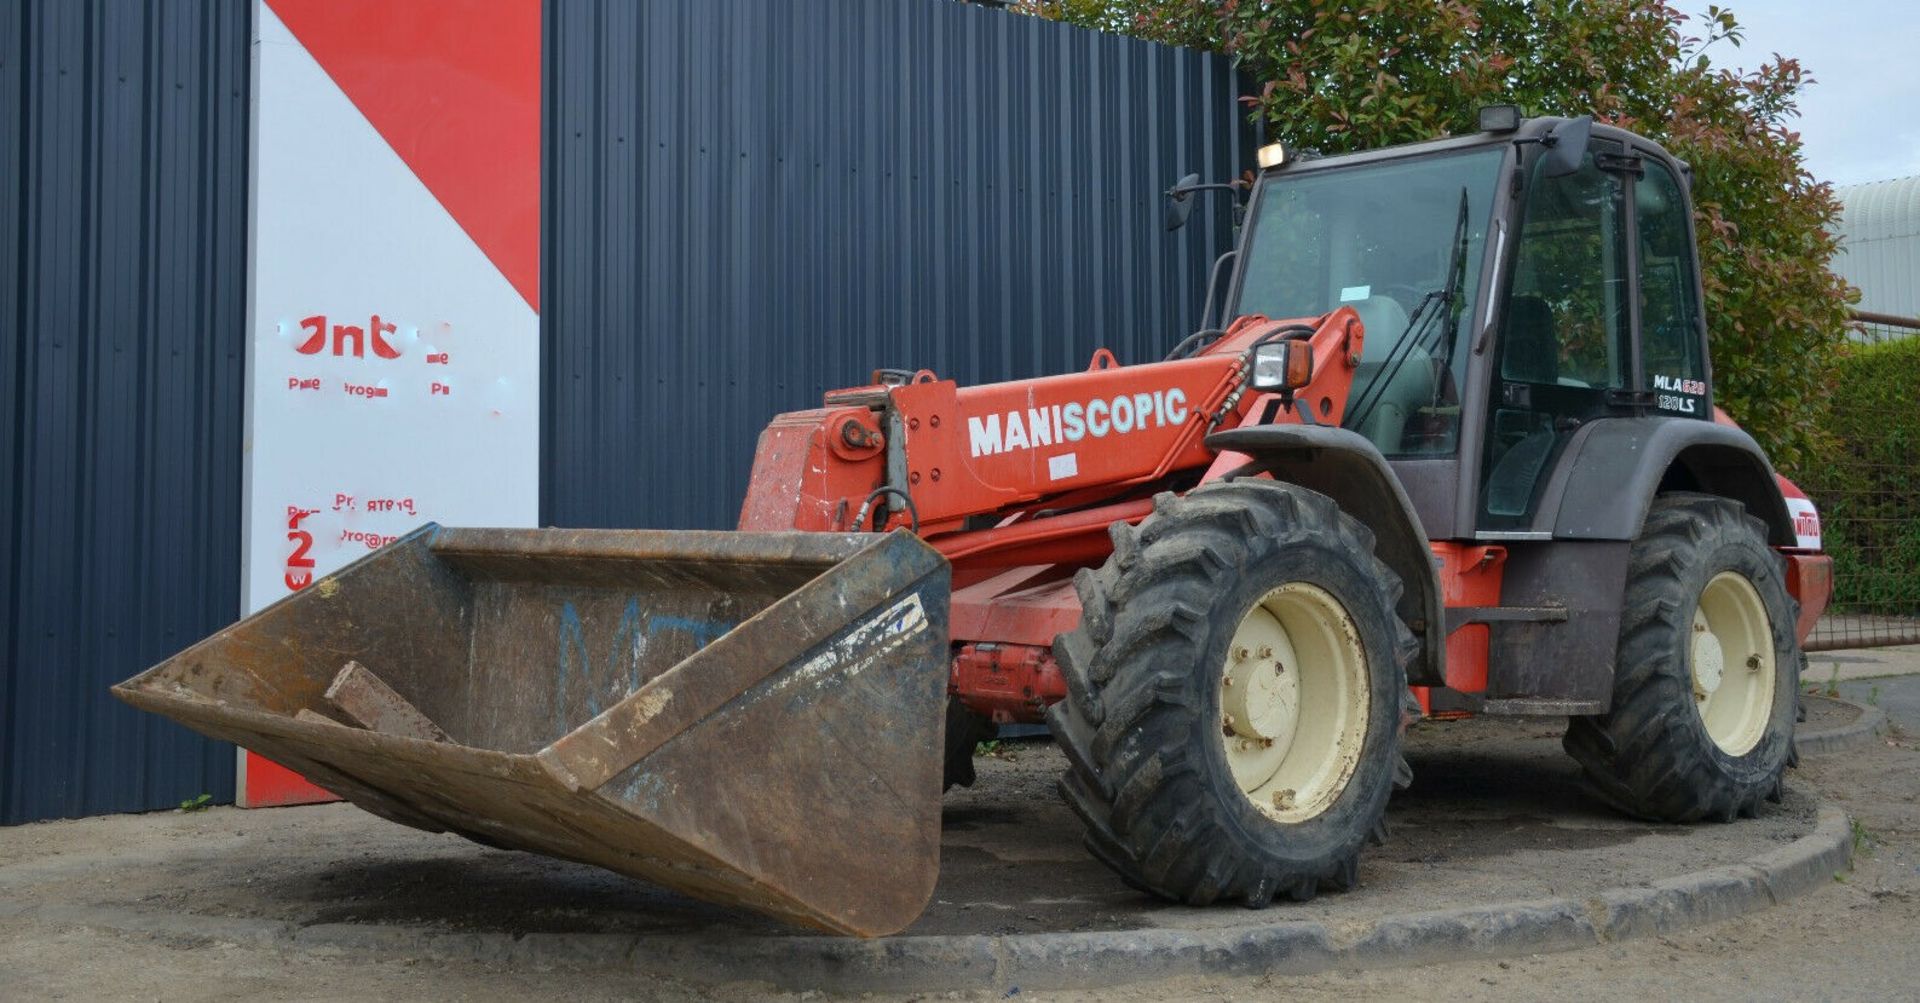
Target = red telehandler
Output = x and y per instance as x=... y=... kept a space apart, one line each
x=1477 y=471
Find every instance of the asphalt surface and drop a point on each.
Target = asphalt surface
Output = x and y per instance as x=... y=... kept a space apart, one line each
x=1899 y=697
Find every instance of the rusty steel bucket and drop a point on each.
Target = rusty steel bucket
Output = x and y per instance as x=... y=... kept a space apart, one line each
x=749 y=718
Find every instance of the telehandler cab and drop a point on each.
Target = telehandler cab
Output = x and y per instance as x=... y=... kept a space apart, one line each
x=1475 y=469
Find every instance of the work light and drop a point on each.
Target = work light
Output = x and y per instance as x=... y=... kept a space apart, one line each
x=1282 y=365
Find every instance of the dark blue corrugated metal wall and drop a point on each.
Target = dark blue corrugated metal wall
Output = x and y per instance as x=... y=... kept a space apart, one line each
x=748 y=202
x=752 y=201
x=123 y=181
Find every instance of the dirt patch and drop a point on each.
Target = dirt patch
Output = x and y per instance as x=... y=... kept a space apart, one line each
x=1498 y=813
x=1823 y=714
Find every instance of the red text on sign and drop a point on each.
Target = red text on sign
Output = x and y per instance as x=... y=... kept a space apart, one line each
x=348 y=339
x=299 y=573
x=372 y=541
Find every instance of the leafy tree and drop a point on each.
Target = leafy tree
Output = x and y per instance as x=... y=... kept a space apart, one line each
x=1341 y=75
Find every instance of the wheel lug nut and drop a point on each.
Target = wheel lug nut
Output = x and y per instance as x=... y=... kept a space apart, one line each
x=1227 y=681
x=1240 y=653
x=1753 y=662
x=1266 y=651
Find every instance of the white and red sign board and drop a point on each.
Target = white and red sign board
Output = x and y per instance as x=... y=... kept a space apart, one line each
x=394 y=368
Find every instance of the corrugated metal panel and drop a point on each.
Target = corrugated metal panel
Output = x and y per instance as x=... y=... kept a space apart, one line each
x=752 y=201
x=748 y=202
x=123 y=180
x=1880 y=244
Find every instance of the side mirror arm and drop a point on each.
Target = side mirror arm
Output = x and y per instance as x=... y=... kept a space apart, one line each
x=1180 y=197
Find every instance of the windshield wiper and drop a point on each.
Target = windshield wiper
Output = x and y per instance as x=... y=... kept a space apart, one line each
x=1456 y=274
x=1415 y=333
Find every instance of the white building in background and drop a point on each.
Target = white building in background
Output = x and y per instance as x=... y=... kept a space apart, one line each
x=1880 y=244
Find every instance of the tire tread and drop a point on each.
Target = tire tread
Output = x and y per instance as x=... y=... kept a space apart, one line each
x=1133 y=779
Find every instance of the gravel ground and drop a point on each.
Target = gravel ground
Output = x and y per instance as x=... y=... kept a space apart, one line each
x=1496 y=814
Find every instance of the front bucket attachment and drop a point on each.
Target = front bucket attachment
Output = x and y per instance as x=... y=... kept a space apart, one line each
x=749 y=718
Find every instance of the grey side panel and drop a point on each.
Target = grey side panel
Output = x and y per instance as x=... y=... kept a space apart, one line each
x=1613 y=467
x=1431 y=487
x=1344 y=466
x=1570 y=660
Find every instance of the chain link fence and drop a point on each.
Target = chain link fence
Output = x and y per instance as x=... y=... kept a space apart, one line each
x=1869 y=494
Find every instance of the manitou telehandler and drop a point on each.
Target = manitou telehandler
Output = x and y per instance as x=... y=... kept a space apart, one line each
x=1477 y=470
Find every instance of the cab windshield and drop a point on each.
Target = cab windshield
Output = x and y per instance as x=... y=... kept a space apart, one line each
x=1400 y=241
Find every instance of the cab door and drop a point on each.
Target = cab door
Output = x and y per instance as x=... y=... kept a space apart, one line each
x=1564 y=350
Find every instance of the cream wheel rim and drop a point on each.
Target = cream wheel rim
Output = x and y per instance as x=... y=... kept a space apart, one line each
x=1294 y=698
x=1731 y=663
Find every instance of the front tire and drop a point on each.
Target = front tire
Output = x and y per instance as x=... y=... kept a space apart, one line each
x=1235 y=692
x=1707 y=683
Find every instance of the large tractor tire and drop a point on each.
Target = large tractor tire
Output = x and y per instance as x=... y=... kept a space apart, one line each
x=1235 y=691
x=1708 y=677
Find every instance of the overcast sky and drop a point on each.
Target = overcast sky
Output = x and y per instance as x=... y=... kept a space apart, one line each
x=1861 y=119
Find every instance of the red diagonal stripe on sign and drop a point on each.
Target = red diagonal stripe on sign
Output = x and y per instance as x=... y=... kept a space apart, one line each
x=454 y=87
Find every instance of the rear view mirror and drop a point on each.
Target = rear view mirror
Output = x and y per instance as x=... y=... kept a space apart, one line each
x=1180 y=201
x=1566 y=146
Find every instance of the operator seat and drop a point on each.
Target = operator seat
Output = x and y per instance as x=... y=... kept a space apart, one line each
x=1411 y=387
x=1532 y=354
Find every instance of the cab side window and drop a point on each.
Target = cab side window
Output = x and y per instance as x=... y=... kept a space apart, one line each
x=1670 y=330
x=1567 y=316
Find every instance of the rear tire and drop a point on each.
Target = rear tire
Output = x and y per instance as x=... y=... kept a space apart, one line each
x=1707 y=683
x=1234 y=581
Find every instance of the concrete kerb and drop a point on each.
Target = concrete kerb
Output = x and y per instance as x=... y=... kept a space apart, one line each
x=1859 y=732
x=1072 y=960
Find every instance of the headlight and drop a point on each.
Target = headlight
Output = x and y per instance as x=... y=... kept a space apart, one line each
x=1282 y=365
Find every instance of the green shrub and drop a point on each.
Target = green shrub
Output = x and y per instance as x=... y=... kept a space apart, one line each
x=1867 y=486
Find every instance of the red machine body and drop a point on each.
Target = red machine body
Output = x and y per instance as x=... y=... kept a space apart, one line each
x=1017 y=483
